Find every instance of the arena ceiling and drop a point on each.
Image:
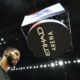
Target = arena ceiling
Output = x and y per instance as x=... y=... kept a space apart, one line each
x=12 y=13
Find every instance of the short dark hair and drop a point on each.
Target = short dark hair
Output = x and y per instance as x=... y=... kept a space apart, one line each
x=10 y=49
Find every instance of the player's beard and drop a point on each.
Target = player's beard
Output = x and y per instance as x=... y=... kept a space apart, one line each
x=10 y=59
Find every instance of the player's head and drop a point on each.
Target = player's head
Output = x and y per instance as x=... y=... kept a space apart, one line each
x=12 y=56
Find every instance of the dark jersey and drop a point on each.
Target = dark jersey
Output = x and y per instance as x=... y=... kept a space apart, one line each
x=3 y=75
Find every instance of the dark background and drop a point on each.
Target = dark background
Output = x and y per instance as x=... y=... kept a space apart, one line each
x=12 y=13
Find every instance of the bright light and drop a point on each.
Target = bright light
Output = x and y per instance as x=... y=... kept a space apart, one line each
x=48 y=65
x=0 y=43
x=74 y=61
x=2 y=39
x=65 y=62
x=4 y=42
x=23 y=67
x=56 y=64
x=14 y=66
x=78 y=61
x=12 y=69
x=30 y=67
x=27 y=67
x=41 y=66
x=36 y=66
x=17 y=69
x=43 y=14
x=61 y=63
x=52 y=65
x=45 y=65
x=69 y=62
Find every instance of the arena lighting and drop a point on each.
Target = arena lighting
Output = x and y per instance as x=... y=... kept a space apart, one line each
x=30 y=67
x=41 y=66
x=65 y=62
x=27 y=67
x=61 y=63
x=2 y=39
x=43 y=14
x=46 y=65
x=23 y=68
x=74 y=61
x=78 y=60
x=34 y=67
x=4 y=42
x=56 y=63
x=12 y=69
x=0 y=43
x=52 y=64
x=69 y=62
x=17 y=69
